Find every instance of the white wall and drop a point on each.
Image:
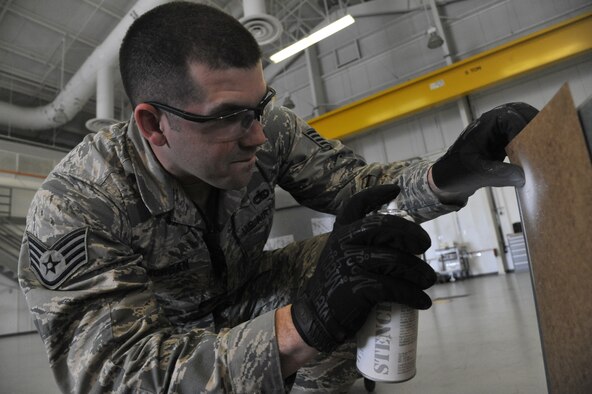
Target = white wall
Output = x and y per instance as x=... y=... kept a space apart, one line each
x=14 y=312
x=24 y=159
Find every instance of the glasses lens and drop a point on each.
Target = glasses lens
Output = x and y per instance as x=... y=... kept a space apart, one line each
x=248 y=118
x=234 y=127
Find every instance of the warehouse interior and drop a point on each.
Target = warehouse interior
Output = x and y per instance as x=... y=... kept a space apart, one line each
x=59 y=81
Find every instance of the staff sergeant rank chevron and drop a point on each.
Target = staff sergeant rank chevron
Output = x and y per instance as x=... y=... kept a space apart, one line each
x=54 y=264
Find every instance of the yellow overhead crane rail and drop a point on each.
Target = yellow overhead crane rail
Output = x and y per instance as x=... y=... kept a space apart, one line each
x=545 y=47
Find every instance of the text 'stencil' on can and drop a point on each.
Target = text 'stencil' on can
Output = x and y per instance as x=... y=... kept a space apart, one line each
x=387 y=342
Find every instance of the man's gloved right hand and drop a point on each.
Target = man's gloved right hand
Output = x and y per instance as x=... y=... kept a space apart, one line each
x=475 y=160
x=366 y=260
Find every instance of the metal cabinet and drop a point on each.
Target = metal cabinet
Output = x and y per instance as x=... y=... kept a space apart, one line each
x=517 y=247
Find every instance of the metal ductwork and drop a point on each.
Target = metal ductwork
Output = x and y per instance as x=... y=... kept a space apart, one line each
x=81 y=86
x=105 y=100
x=265 y=28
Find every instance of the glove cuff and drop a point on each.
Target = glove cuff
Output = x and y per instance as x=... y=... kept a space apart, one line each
x=312 y=331
x=444 y=174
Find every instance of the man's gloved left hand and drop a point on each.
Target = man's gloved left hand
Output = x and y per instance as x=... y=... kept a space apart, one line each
x=367 y=259
x=476 y=158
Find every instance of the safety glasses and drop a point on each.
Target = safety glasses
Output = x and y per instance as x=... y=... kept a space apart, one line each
x=243 y=117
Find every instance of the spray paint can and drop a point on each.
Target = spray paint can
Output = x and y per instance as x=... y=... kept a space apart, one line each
x=387 y=342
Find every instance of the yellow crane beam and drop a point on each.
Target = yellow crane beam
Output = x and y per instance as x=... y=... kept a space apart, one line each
x=542 y=48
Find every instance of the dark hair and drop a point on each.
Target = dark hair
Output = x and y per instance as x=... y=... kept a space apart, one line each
x=159 y=46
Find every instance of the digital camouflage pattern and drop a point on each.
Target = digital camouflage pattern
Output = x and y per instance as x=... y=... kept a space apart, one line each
x=125 y=293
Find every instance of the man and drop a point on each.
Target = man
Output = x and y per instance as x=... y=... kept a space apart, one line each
x=143 y=260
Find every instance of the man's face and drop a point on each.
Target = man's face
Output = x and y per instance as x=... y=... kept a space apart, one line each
x=202 y=151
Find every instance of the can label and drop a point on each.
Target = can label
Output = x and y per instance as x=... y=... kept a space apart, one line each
x=387 y=343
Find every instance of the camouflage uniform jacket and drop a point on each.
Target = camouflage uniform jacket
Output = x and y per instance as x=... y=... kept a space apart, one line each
x=117 y=273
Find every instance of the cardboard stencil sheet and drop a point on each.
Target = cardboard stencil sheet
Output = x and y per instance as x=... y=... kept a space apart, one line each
x=556 y=209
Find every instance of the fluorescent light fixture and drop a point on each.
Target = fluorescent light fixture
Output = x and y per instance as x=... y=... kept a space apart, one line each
x=315 y=37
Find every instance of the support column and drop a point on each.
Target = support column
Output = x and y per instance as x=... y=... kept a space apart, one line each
x=317 y=90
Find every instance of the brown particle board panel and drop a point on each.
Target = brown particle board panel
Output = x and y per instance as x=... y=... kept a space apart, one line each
x=556 y=209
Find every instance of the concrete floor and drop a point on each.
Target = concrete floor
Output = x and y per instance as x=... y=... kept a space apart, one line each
x=481 y=336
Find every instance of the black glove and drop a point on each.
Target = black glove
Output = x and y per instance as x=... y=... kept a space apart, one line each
x=366 y=260
x=476 y=158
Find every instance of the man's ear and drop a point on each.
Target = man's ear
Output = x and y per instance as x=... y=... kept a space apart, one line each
x=148 y=120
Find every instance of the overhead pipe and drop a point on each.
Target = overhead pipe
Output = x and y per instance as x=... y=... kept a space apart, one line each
x=105 y=99
x=105 y=91
x=81 y=86
x=264 y=27
x=253 y=7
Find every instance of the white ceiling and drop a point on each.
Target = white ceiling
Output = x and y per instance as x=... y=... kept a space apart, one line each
x=44 y=42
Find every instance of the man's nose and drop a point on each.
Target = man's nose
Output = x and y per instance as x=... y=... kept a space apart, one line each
x=255 y=136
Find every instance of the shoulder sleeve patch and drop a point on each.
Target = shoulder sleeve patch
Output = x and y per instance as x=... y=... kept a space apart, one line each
x=55 y=263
